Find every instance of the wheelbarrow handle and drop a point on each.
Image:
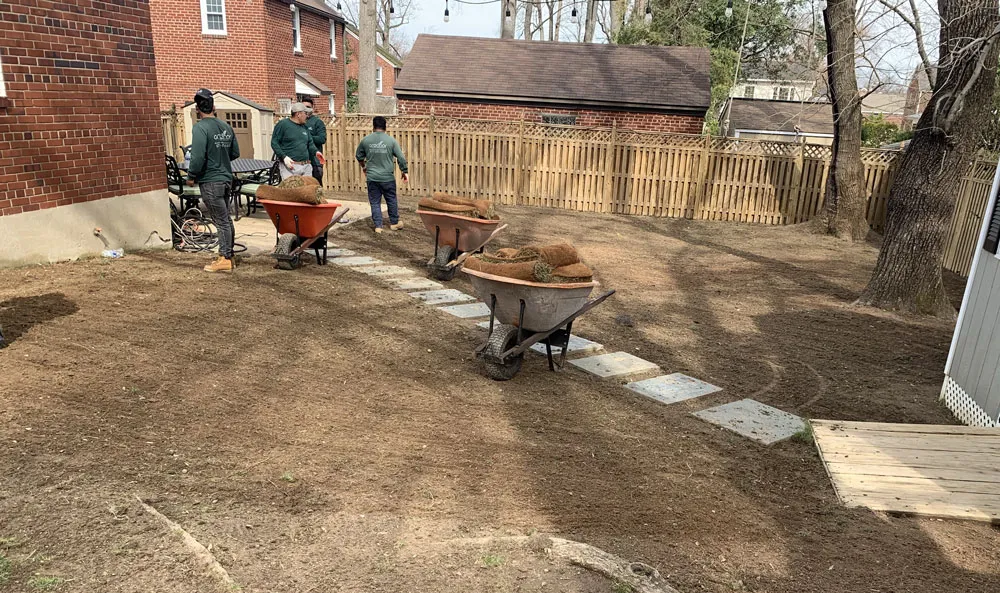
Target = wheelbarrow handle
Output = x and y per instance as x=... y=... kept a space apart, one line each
x=461 y=259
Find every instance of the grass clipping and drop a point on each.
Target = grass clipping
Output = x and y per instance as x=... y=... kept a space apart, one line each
x=549 y=264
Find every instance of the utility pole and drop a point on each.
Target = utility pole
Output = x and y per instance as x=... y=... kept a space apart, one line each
x=367 y=22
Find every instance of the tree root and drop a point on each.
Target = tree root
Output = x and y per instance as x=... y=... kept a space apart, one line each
x=200 y=552
x=642 y=578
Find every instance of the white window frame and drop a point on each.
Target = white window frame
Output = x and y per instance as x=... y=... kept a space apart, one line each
x=3 y=87
x=297 y=31
x=333 y=106
x=748 y=91
x=378 y=80
x=333 y=39
x=204 y=20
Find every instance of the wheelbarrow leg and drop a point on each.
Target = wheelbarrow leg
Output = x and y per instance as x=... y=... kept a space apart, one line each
x=437 y=239
x=493 y=307
x=520 y=324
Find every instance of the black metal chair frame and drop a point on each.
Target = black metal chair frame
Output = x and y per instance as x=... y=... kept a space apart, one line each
x=268 y=176
x=174 y=179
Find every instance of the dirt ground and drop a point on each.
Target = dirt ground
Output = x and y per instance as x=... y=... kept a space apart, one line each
x=323 y=433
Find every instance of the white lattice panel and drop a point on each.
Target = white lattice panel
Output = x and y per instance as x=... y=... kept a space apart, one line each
x=963 y=406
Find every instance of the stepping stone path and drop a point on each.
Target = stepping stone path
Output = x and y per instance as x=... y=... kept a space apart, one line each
x=670 y=389
x=576 y=344
x=409 y=284
x=468 y=311
x=387 y=271
x=754 y=420
x=357 y=261
x=440 y=297
x=614 y=364
x=339 y=252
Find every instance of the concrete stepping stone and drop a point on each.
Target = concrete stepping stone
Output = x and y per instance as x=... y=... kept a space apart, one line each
x=670 y=389
x=357 y=261
x=576 y=344
x=387 y=271
x=468 y=311
x=440 y=297
x=409 y=284
x=484 y=324
x=339 y=252
x=754 y=420
x=614 y=364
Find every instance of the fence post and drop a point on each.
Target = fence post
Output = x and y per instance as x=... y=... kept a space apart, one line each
x=432 y=160
x=798 y=172
x=609 y=170
x=519 y=162
x=343 y=160
x=703 y=181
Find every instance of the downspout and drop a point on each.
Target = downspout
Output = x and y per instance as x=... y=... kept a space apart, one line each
x=972 y=271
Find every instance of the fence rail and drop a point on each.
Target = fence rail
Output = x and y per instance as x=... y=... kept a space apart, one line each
x=640 y=173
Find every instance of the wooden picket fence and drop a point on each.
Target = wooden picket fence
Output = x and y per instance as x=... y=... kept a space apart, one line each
x=620 y=171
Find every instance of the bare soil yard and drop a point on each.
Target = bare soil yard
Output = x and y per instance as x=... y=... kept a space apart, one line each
x=324 y=433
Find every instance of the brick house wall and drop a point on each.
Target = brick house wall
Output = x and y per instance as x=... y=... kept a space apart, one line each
x=652 y=122
x=81 y=86
x=388 y=68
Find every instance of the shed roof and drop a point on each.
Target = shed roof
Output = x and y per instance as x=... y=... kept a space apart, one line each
x=580 y=74
x=781 y=116
x=236 y=97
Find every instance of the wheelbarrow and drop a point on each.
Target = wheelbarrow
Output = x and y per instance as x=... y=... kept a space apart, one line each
x=455 y=238
x=528 y=313
x=301 y=227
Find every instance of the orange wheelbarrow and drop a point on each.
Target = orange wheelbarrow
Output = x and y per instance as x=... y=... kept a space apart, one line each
x=301 y=227
x=455 y=239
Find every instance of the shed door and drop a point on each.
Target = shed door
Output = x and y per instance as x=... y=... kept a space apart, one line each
x=240 y=122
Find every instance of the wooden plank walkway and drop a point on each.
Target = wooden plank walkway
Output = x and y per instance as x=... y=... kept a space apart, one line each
x=940 y=471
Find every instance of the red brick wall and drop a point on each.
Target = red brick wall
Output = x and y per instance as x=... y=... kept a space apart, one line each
x=388 y=68
x=187 y=60
x=654 y=122
x=83 y=120
x=315 y=56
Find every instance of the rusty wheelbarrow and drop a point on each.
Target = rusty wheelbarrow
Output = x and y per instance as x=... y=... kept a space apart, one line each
x=455 y=238
x=528 y=313
x=301 y=227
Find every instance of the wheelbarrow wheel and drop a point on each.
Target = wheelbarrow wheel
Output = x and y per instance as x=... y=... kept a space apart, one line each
x=503 y=338
x=444 y=255
x=287 y=243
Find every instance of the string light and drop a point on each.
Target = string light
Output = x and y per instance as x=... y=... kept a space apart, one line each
x=447 y=15
x=649 y=13
x=507 y=4
x=729 y=9
x=339 y=7
x=392 y=9
x=573 y=17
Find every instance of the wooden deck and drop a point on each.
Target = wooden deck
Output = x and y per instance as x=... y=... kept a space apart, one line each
x=939 y=471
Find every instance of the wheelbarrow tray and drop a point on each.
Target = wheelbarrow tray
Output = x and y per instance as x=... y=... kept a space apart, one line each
x=472 y=232
x=546 y=306
x=313 y=219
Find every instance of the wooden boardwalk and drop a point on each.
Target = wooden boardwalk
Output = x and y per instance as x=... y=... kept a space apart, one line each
x=939 y=471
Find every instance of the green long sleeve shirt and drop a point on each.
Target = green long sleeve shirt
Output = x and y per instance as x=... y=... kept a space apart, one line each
x=213 y=148
x=293 y=140
x=379 y=152
x=317 y=129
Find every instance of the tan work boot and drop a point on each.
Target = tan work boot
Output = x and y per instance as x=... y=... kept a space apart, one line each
x=378 y=230
x=220 y=265
x=396 y=227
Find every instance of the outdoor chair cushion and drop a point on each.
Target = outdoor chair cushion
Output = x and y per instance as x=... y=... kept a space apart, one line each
x=185 y=190
x=249 y=189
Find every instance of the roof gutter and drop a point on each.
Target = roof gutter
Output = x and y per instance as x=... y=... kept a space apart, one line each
x=783 y=133
x=403 y=93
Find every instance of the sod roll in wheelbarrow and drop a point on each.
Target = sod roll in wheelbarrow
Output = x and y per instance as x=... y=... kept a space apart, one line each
x=549 y=264
x=442 y=202
x=302 y=190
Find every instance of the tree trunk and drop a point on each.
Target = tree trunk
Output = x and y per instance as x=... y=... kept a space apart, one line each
x=529 y=11
x=618 y=10
x=367 y=23
x=558 y=21
x=907 y=275
x=541 y=23
x=845 y=210
x=507 y=24
x=590 y=25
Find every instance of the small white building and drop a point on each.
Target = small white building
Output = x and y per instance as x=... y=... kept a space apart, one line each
x=972 y=375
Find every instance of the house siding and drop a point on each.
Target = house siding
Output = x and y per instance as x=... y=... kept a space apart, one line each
x=976 y=363
x=80 y=78
x=652 y=122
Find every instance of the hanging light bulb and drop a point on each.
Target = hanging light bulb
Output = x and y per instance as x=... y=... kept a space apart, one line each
x=729 y=9
x=447 y=15
x=339 y=7
x=649 y=13
x=573 y=17
x=507 y=5
x=392 y=9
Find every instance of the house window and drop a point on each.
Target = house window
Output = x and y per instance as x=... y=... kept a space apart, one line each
x=993 y=231
x=564 y=120
x=213 y=17
x=333 y=39
x=378 y=80
x=284 y=106
x=783 y=93
x=748 y=92
x=333 y=106
x=296 y=32
x=3 y=89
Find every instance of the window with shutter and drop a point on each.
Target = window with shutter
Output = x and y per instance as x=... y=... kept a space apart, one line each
x=993 y=231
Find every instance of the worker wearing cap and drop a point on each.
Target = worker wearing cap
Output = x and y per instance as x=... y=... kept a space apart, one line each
x=293 y=144
x=317 y=129
x=213 y=148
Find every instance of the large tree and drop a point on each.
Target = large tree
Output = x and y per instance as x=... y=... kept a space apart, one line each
x=907 y=275
x=845 y=209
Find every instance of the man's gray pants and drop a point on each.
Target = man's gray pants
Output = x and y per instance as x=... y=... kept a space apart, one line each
x=216 y=198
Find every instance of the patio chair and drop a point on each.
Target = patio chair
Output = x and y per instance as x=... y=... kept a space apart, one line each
x=187 y=196
x=246 y=187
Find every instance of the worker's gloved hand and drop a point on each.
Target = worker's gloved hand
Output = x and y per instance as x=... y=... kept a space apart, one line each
x=321 y=158
x=288 y=162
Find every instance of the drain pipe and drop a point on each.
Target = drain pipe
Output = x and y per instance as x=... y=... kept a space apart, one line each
x=990 y=205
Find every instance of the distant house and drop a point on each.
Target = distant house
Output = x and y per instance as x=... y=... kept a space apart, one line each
x=794 y=82
x=387 y=69
x=665 y=89
x=890 y=106
x=918 y=94
x=263 y=55
x=782 y=121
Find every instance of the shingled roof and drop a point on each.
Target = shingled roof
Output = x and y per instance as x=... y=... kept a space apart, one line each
x=780 y=116
x=569 y=74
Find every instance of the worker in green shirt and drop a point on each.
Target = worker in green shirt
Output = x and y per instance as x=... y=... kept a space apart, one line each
x=213 y=148
x=293 y=145
x=378 y=154
x=317 y=129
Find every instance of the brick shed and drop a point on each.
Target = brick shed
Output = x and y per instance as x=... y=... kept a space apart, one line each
x=80 y=139
x=663 y=89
